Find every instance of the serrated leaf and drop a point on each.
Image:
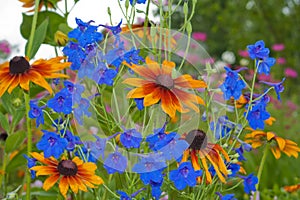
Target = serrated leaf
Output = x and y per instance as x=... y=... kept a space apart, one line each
x=4 y=122
x=39 y=37
x=54 y=21
x=14 y=141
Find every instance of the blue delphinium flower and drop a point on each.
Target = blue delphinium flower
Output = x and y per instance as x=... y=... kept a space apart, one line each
x=61 y=102
x=264 y=65
x=131 y=138
x=257 y=115
x=133 y=57
x=73 y=140
x=226 y=197
x=184 y=176
x=52 y=144
x=258 y=50
x=234 y=169
x=133 y=2
x=36 y=112
x=75 y=90
x=84 y=154
x=222 y=127
x=175 y=148
x=104 y=75
x=232 y=86
x=156 y=189
x=249 y=183
x=114 y=29
x=31 y=163
x=139 y=103
x=124 y=195
x=75 y=53
x=115 y=162
x=81 y=110
x=278 y=87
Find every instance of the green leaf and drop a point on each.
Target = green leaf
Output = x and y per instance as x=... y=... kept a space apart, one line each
x=7 y=103
x=4 y=123
x=14 y=141
x=54 y=22
x=19 y=114
x=39 y=37
x=17 y=161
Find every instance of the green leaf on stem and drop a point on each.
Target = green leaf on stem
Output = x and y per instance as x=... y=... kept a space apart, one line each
x=19 y=114
x=4 y=123
x=14 y=141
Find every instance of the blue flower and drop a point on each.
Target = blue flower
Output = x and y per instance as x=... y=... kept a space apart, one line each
x=52 y=144
x=75 y=54
x=61 y=102
x=31 y=163
x=103 y=75
x=72 y=139
x=159 y=139
x=133 y=2
x=175 y=148
x=234 y=168
x=226 y=197
x=115 y=162
x=139 y=103
x=131 y=138
x=133 y=57
x=249 y=183
x=75 y=90
x=264 y=65
x=257 y=115
x=81 y=110
x=222 y=127
x=36 y=112
x=184 y=176
x=258 y=50
x=155 y=189
x=232 y=86
x=114 y=29
x=240 y=152
x=85 y=154
x=97 y=147
x=278 y=87
x=123 y=195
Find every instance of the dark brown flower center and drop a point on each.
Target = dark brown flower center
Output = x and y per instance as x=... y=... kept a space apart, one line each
x=197 y=139
x=67 y=168
x=18 y=65
x=165 y=80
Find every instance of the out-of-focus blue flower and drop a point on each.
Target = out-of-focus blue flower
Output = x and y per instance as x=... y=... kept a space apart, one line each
x=97 y=147
x=85 y=154
x=115 y=162
x=234 y=168
x=175 y=148
x=222 y=127
x=133 y=57
x=257 y=115
x=72 y=139
x=226 y=197
x=264 y=65
x=75 y=54
x=52 y=144
x=278 y=87
x=82 y=109
x=131 y=138
x=124 y=195
x=232 y=86
x=184 y=176
x=56 y=81
x=103 y=75
x=240 y=151
x=61 y=102
x=249 y=183
x=159 y=139
x=139 y=103
x=36 y=112
x=30 y=163
x=258 y=50
x=133 y=2
x=75 y=90
x=114 y=29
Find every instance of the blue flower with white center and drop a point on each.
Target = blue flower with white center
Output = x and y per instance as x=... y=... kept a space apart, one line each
x=131 y=138
x=264 y=65
x=52 y=144
x=61 y=102
x=257 y=115
x=278 y=87
x=36 y=112
x=115 y=162
x=184 y=176
x=258 y=50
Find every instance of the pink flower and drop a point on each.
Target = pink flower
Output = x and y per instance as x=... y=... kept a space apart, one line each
x=291 y=105
x=281 y=61
x=278 y=47
x=289 y=72
x=5 y=47
x=199 y=36
x=243 y=53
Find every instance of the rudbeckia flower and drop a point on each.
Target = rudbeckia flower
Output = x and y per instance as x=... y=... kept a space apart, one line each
x=158 y=85
x=74 y=174
x=292 y=188
x=18 y=71
x=204 y=151
x=30 y=4
x=278 y=144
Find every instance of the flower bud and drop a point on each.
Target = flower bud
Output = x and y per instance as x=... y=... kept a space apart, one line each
x=60 y=38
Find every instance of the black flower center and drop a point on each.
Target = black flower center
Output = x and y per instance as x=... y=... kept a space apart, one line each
x=67 y=168
x=18 y=65
x=197 y=139
x=165 y=80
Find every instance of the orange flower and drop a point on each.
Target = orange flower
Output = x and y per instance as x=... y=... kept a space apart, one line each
x=202 y=151
x=292 y=188
x=18 y=71
x=159 y=86
x=74 y=174
x=278 y=144
x=30 y=4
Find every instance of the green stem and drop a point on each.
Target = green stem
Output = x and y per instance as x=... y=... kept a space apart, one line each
x=34 y=22
x=29 y=141
x=261 y=167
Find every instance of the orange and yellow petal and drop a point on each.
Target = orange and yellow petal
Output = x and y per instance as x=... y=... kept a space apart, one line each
x=187 y=81
x=63 y=186
x=50 y=181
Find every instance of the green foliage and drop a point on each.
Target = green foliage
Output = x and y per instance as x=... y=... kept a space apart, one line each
x=14 y=141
